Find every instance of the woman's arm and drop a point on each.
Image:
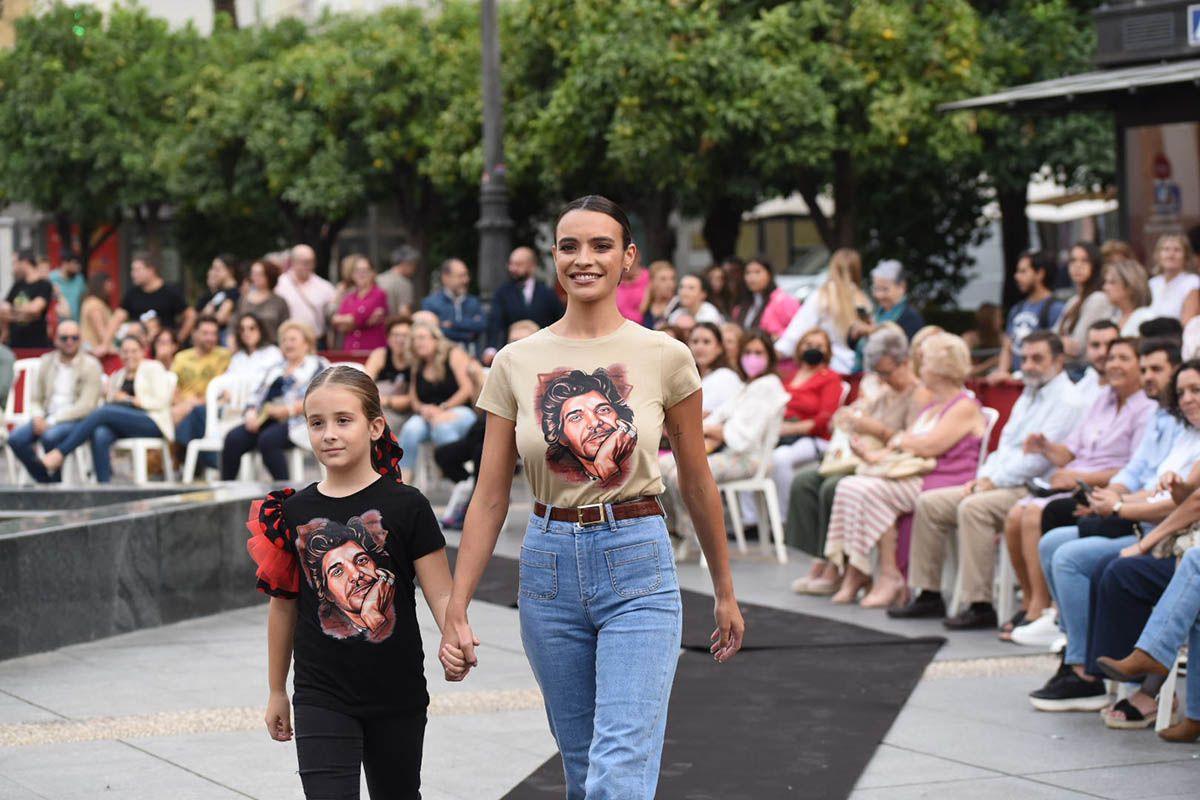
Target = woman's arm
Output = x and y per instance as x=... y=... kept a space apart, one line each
x=1185 y=515
x=375 y=362
x=459 y=363
x=960 y=420
x=1004 y=364
x=703 y=501
x=1191 y=307
x=485 y=518
x=281 y=632
x=224 y=313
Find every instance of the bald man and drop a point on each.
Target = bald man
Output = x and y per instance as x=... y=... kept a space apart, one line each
x=309 y=296
x=523 y=297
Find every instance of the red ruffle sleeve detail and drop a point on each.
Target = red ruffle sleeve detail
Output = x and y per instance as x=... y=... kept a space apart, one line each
x=269 y=545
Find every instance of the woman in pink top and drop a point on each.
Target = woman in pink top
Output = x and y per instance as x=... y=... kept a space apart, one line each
x=764 y=304
x=866 y=509
x=362 y=315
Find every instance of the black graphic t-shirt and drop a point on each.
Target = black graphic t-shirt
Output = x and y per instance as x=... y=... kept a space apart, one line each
x=357 y=646
x=164 y=304
x=31 y=333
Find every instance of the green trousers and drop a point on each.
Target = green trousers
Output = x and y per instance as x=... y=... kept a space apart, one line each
x=809 y=503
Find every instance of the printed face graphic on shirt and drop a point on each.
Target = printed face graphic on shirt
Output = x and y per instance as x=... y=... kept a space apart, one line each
x=347 y=566
x=587 y=423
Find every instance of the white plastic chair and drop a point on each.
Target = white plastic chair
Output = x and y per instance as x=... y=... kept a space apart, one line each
x=763 y=486
x=990 y=417
x=1166 y=695
x=218 y=420
x=139 y=447
x=845 y=393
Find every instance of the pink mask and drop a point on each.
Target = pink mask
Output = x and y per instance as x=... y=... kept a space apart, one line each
x=754 y=365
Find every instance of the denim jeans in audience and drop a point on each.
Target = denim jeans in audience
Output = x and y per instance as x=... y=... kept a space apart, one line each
x=1176 y=621
x=1068 y=563
x=103 y=427
x=417 y=430
x=271 y=441
x=22 y=439
x=190 y=428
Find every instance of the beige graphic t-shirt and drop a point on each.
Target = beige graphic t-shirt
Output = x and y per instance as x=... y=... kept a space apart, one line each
x=589 y=412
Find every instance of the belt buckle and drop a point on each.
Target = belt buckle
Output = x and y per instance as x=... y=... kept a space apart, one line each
x=600 y=507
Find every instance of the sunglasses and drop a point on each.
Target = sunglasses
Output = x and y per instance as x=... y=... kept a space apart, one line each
x=68 y=338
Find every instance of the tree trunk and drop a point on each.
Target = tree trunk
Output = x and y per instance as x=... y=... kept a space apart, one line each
x=722 y=224
x=1014 y=237
x=228 y=7
x=810 y=189
x=659 y=240
x=845 y=189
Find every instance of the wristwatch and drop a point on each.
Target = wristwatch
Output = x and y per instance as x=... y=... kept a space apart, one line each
x=1117 y=508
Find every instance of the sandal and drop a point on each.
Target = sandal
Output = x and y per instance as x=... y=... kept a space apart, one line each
x=1134 y=720
x=1006 y=630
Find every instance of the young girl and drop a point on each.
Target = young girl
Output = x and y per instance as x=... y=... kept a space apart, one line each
x=584 y=403
x=338 y=559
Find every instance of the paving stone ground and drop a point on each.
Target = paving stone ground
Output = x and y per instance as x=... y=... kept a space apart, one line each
x=175 y=712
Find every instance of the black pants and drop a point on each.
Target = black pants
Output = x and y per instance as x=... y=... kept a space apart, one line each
x=1058 y=514
x=452 y=458
x=271 y=441
x=331 y=747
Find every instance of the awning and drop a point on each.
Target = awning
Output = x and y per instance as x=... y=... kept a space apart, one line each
x=1088 y=90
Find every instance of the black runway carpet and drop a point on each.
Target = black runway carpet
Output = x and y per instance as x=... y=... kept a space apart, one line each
x=797 y=714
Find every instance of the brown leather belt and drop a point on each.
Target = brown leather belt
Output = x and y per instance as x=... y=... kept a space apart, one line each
x=599 y=512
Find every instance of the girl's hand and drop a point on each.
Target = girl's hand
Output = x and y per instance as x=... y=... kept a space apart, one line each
x=731 y=628
x=457 y=650
x=279 y=717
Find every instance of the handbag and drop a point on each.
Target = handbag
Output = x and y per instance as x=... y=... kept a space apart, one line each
x=897 y=465
x=840 y=459
x=1175 y=546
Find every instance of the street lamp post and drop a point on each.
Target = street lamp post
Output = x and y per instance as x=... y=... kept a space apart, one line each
x=494 y=224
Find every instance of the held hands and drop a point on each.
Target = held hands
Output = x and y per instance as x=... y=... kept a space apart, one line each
x=731 y=629
x=1036 y=443
x=457 y=651
x=279 y=716
x=1170 y=482
x=978 y=485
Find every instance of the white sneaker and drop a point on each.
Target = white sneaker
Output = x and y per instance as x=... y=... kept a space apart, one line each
x=459 y=496
x=1040 y=633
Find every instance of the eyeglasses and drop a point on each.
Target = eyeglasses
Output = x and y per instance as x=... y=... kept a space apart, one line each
x=68 y=338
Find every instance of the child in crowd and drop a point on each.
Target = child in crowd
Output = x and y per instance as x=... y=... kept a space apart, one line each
x=358 y=538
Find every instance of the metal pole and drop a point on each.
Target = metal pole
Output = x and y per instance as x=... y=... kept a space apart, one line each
x=494 y=224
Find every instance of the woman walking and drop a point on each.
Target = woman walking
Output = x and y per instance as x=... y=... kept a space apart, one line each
x=584 y=403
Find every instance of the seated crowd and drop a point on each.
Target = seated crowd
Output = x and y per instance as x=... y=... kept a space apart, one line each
x=1090 y=489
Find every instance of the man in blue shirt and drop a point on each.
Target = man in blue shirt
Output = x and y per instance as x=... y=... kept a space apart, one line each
x=461 y=314
x=1049 y=406
x=1038 y=311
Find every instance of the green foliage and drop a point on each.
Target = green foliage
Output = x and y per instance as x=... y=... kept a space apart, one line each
x=260 y=136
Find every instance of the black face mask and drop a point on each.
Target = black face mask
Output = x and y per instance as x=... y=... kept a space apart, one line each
x=812 y=356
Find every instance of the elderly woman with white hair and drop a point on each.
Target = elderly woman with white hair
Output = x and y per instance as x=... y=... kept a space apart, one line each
x=889 y=289
x=866 y=506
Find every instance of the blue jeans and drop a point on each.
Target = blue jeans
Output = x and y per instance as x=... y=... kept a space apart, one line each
x=1067 y=563
x=601 y=622
x=22 y=439
x=104 y=426
x=1176 y=619
x=416 y=430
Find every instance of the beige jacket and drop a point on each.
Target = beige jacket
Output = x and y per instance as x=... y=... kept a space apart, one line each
x=88 y=378
x=154 y=388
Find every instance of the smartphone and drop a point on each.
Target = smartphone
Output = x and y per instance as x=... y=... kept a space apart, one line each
x=1039 y=487
x=1081 y=494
